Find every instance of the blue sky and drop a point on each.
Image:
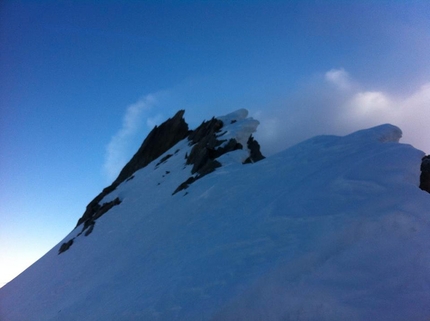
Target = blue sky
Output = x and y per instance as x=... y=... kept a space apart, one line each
x=83 y=82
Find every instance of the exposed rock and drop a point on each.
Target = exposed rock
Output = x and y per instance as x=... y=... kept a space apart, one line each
x=207 y=145
x=101 y=209
x=207 y=148
x=94 y=205
x=163 y=159
x=65 y=246
x=205 y=131
x=202 y=155
x=106 y=207
x=205 y=142
x=185 y=184
x=254 y=151
x=425 y=174
x=90 y=228
x=159 y=140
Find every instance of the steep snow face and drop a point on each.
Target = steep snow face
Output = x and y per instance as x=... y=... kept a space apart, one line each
x=334 y=228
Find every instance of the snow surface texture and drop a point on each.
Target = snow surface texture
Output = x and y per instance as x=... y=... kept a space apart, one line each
x=334 y=228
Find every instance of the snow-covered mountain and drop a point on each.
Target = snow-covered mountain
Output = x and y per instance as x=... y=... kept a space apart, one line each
x=200 y=226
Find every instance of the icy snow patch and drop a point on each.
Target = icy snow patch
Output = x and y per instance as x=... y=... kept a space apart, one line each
x=237 y=115
x=237 y=126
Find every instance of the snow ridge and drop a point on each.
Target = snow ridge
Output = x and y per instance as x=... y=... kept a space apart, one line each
x=334 y=228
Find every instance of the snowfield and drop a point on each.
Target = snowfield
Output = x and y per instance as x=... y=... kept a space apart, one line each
x=334 y=228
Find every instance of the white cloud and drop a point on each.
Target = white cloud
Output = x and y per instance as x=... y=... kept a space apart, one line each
x=370 y=103
x=117 y=151
x=332 y=103
x=339 y=77
x=321 y=108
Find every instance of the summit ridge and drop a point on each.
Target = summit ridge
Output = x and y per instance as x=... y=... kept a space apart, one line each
x=333 y=228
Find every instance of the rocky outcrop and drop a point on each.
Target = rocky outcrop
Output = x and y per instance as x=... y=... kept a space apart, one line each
x=204 y=151
x=207 y=147
x=65 y=246
x=425 y=174
x=99 y=210
x=208 y=142
x=88 y=227
x=159 y=140
x=255 y=154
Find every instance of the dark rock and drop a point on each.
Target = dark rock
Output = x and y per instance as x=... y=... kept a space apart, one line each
x=159 y=140
x=205 y=130
x=202 y=155
x=106 y=207
x=65 y=246
x=94 y=205
x=163 y=159
x=425 y=174
x=206 y=144
x=206 y=148
x=208 y=167
x=255 y=153
x=205 y=141
x=185 y=184
x=99 y=211
x=90 y=228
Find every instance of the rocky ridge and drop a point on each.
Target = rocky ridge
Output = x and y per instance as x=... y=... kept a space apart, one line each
x=207 y=143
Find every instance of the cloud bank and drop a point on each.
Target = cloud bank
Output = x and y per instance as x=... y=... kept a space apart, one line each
x=334 y=103
x=331 y=103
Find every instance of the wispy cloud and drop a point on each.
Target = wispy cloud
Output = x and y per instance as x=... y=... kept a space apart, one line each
x=330 y=103
x=340 y=78
x=336 y=104
x=118 y=150
x=411 y=113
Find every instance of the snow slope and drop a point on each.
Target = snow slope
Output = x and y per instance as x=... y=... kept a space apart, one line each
x=334 y=228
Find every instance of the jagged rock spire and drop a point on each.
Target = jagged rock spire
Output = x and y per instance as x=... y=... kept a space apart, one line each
x=159 y=140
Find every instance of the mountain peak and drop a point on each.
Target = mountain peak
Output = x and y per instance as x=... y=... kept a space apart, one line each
x=208 y=146
x=299 y=235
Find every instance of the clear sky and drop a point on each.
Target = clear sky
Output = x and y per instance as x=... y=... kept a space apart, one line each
x=83 y=82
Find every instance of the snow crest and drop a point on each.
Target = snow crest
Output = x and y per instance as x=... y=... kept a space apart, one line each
x=238 y=126
x=385 y=133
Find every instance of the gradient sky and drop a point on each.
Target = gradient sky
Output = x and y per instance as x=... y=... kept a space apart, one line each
x=83 y=82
